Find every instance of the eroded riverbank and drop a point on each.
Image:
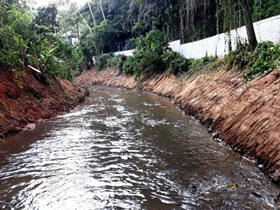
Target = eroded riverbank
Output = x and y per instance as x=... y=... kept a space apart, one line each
x=246 y=116
x=126 y=150
x=27 y=97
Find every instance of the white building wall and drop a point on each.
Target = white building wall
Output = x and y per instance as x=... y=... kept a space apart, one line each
x=266 y=30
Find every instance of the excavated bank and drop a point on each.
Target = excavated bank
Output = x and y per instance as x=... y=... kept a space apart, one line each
x=26 y=98
x=246 y=116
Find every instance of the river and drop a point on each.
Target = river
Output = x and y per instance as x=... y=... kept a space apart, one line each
x=127 y=150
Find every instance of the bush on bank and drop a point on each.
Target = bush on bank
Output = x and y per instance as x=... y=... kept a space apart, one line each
x=264 y=59
x=152 y=56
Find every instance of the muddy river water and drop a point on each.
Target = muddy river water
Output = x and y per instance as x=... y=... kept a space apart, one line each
x=127 y=150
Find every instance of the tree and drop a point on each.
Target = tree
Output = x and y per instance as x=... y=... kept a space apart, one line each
x=101 y=8
x=93 y=18
x=232 y=14
x=102 y=41
x=197 y=18
x=188 y=20
x=70 y=21
x=247 y=13
x=46 y=18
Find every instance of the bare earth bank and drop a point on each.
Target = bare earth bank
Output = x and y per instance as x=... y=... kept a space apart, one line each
x=26 y=98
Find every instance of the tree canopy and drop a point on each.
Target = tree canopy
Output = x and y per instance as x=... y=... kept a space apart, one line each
x=43 y=37
x=29 y=37
x=188 y=20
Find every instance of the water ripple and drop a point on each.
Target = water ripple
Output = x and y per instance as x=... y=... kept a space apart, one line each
x=123 y=150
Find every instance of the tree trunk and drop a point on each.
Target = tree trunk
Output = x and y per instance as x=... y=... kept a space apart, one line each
x=92 y=16
x=100 y=4
x=78 y=30
x=89 y=28
x=246 y=9
x=139 y=15
x=183 y=35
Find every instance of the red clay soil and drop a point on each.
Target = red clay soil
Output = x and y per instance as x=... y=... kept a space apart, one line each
x=25 y=99
x=246 y=116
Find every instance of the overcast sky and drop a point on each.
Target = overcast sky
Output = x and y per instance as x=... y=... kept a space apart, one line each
x=41 y=3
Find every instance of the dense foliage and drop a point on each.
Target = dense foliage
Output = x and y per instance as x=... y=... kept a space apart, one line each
x=101 y=41
x=187 y=20
x=44 y=38
x=27 y=38
x=126 y=22
x=262 y=60
x=152 y=55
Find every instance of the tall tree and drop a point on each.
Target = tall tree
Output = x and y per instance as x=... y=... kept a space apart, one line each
x=100 y=4
x=92 y=16
x=47 y=18
x=197 y=18
x=247 y=13
x=70 y=21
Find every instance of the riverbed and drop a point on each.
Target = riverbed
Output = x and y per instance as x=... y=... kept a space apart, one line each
x=127 y=150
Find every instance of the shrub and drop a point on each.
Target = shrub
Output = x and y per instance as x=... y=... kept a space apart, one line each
x=28 y=41
x=176 y=63
x=120 y=60
x=198 y=64
x=108 y=60
x=148 y=56
x=132 y=43
x=102 y=62
x=151 y=62
x=130 y=66
x=216 y=64
x=155 y=41
x=239 y=57
x=263 y=60
x=78 y=62
x=117 y=62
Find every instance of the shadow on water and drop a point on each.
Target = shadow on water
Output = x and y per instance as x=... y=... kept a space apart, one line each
x=126 y=150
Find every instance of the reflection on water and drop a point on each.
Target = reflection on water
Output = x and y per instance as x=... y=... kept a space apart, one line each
x=125 y=150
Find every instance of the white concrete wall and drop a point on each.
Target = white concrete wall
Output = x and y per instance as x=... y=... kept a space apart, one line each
x=126 y=53
x=266 y=30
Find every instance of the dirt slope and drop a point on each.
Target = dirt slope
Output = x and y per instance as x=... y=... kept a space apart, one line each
x=25 y=99
x=246 y=116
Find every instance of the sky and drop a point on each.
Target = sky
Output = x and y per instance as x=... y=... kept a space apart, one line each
x=41 y=3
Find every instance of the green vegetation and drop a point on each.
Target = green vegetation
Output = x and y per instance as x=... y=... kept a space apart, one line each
x=143 y=25
x=27 y=38
x=202 y=64
x=101 y=41
x=188 y=20
x=154 y=56
x=104 y=61
x=265 y=9
x=176 y=63
x=43 y=38
x=261 y=61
